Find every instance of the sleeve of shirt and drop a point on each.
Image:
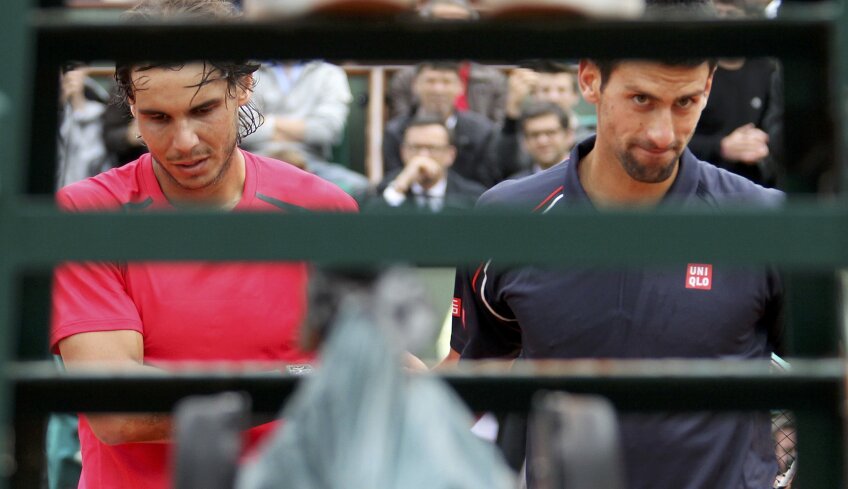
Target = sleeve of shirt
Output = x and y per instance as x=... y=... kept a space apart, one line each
x=393 y=197
x=482 y=325
x=89 y=297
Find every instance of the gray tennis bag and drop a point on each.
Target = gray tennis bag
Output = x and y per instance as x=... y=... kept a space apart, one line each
x=361 y=421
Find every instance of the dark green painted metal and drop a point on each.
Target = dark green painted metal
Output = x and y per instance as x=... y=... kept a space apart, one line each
x=799 y=237
x=14 y=115
x=630 y=385
x=82 y=35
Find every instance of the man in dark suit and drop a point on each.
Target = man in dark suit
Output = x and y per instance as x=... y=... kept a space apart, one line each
x=427 y=179
x=436 y=86
x=548 y=136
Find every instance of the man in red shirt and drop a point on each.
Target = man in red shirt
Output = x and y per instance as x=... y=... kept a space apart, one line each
x=136 y=316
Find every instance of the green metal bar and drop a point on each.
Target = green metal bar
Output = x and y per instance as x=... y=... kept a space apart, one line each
x=14 y=116
x=798 y=237
x=821 y=445
x=14 y=106
x=630 y=385
x=812 y=314
x=82 y=35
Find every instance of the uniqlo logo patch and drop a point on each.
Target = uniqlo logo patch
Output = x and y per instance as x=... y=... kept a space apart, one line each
x=456 y=307
x=699 y=276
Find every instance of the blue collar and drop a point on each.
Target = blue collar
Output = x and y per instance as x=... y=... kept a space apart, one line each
x=684 y=186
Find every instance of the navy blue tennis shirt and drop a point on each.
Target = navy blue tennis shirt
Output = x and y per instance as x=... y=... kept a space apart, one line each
x=693 y=309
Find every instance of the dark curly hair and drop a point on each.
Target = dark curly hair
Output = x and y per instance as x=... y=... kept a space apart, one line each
x=236 y=73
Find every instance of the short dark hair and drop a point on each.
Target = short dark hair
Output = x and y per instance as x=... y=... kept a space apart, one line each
x=539 y=109
x=663 y=9
x=437 y=66
x=234 y=72
x=428 y=120
x=606 y=66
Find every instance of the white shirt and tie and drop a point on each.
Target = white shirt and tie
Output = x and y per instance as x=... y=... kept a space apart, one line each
x=432 y=198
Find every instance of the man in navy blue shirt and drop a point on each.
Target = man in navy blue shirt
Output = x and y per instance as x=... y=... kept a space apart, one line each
x=647 y=113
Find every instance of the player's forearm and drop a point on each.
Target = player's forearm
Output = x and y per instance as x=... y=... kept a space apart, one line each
x=117 y=428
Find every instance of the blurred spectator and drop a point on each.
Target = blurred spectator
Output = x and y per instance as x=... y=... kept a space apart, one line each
x=541 y=81
x=426 y=180
x=534 y=82
x=120 y=133
x=483 y=87
x=81 y=153
x=305 y=105
x=547 y=134
x=436 y=85
x=483 y=92
x=741 y=127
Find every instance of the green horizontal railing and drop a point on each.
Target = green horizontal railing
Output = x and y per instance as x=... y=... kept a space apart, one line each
x=798 y=237
x=631 y=385
x=389 y=39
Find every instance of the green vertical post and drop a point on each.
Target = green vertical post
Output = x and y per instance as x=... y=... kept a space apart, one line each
x=14 y=117
x=815 y=319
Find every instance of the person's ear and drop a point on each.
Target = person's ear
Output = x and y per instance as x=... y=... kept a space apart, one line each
x=132 y=110
x=245 y=90
x=589 y=80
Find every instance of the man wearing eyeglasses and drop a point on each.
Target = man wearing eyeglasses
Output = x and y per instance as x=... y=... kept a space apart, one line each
x=548 y=136
x=426 y=180
x=436 y=86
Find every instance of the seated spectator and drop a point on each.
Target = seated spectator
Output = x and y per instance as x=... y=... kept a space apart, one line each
x=547 y=135
x=80 y=146
x=305 y=105
x=534 y=82
x=426 y=180
x=436 y=86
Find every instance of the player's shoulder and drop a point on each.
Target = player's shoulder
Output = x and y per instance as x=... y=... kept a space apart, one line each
x=288 y=186
x=529 y=192
x=115 y=189
x=721 y=186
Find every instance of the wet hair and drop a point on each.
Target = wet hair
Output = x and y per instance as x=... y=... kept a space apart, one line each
x=539 y=109
x=428 y=120
x=235 y=73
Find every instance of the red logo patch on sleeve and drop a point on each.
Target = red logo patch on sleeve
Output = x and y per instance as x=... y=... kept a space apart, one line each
x=456 y=307
x=699 y=276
